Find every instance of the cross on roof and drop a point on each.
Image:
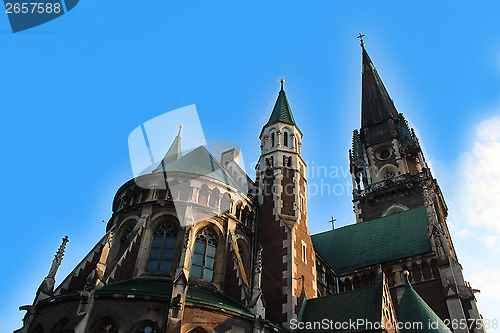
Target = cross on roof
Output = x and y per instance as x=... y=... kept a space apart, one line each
x=332 y=221
x=361 y=39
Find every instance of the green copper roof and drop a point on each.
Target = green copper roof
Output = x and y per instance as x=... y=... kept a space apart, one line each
x=139 y=287
x=159 y=288
x=339 y=308
x=175 y=150
x=202 y=296
x=173 y=153
x=200 y=162
x=281 y=111
x=385 y=239
x=413 y=309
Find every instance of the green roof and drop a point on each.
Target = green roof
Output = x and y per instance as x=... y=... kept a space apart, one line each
x=413 y=309
x=281 y=111
x=159 y=288
x=340 y=308
x=175 y=150
x=203 y=296
x=139 y=287
x=200 y=162
x=393 y=237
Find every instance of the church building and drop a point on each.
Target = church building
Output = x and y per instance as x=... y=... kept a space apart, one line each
x=196 y=246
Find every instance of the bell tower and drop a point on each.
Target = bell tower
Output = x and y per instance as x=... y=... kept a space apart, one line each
x=288 y=260
x=386 y=160
x=390 y=175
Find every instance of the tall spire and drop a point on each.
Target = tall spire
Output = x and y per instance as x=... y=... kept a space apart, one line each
x=281 y=111
x=173 y=153
x=378 y=112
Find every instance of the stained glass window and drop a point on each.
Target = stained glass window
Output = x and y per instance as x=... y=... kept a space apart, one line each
x=162 y=248
x=205 y=248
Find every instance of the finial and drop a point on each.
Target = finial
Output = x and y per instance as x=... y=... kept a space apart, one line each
x=180 y=129
x=407 y=277
x=203 y=141
x=361 y=39
x=282 y=82
x=58 y=258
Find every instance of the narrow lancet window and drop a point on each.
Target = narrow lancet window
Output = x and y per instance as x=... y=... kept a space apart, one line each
x=162 y=248
x=205 y=248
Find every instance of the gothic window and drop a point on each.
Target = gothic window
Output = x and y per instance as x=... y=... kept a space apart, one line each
x=272 y=139
x=214 y=198
x=225 y=204
x=162 y=248
x=203 y=195
x=205 y=248
x=126 y=233
x=285 y=139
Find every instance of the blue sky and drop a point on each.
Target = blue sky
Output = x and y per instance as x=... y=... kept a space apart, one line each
x=72 y=90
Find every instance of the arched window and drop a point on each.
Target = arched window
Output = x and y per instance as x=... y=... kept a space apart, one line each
x=225 y=204
x=203 y=195
x=285 y=139
x=214 y=198
x=205 y=248
x=272 y=139
x=162 y=248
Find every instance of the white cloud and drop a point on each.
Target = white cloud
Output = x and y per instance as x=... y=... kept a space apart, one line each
x=474 y=219
x=465 y=233
x=480 y=172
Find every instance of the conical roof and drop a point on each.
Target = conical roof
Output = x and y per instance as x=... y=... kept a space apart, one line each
x=413 y=309
x=200 y=162
x=281 y=111
x=173 y=153
x=376 y=105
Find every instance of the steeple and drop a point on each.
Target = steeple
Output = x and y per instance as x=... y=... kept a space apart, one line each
x=173 y=153
x=281 y=111
x=413 y=309
x=378 y=113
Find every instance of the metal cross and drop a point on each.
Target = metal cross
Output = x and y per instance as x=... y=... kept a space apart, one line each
x=332 y=221
x=361 y=39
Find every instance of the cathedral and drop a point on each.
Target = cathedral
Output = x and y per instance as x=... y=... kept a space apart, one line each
x=195 y=245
